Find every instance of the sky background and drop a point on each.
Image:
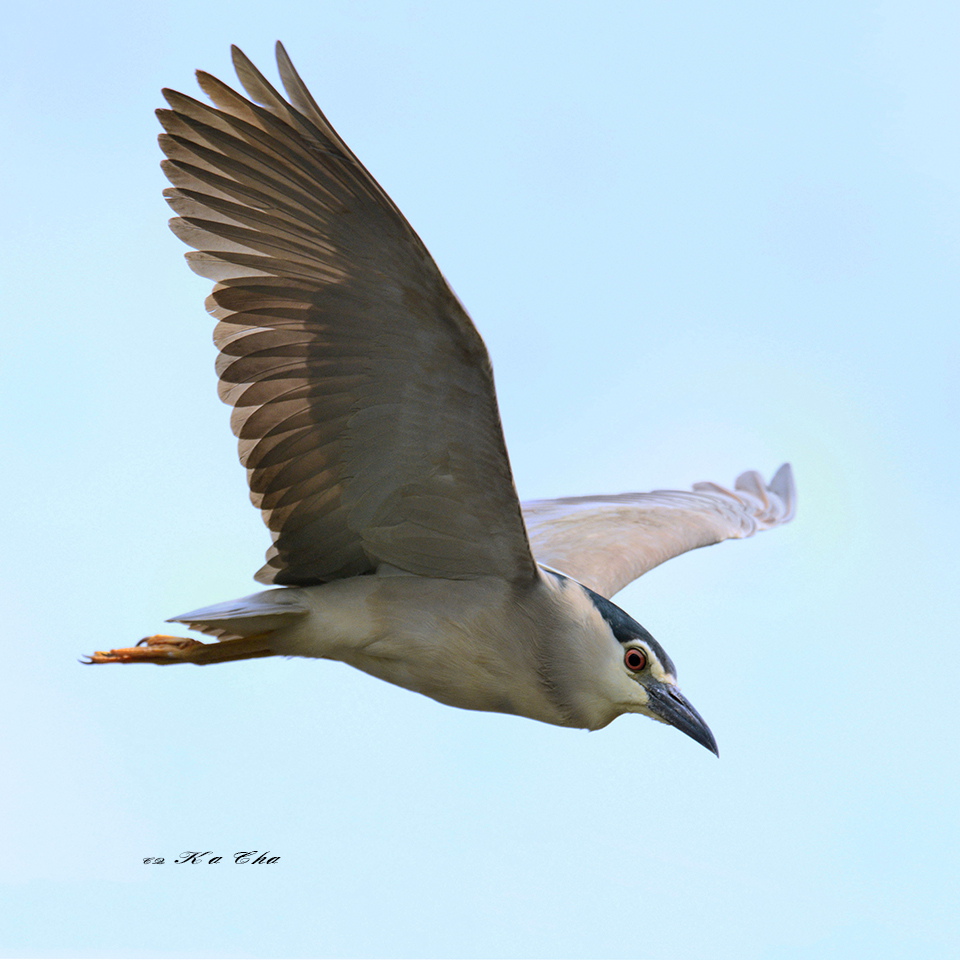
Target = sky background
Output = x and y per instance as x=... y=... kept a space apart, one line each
x=698 y=238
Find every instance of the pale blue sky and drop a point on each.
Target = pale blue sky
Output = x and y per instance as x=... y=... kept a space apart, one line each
x=698 y=238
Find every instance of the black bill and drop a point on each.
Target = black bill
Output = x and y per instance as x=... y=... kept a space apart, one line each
x=668 y=704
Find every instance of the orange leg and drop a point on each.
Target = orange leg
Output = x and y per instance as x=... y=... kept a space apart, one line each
x=166 y=650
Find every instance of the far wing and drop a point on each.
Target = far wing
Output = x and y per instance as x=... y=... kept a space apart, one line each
x=606 y=542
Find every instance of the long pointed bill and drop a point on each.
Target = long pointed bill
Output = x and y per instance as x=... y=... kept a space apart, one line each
x=669 y=705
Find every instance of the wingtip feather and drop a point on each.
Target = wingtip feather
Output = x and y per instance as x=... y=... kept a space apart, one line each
x=785 y=487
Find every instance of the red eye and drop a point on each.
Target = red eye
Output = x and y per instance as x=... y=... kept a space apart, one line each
x=635 y=660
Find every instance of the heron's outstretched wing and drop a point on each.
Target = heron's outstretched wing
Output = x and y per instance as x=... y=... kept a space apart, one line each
x=606 y=542
x=363 y=394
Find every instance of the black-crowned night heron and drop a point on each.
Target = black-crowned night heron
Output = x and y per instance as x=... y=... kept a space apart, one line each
x=364 y=402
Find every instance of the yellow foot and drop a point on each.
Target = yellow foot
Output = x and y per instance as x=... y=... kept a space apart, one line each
x=156 y=649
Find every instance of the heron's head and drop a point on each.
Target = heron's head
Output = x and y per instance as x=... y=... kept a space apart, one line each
x=637 y=676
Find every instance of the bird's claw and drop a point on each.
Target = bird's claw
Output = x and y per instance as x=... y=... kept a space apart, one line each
x=157 y=649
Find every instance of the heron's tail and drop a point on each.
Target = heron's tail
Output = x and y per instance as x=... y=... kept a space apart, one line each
x=260 y=613
x=242 y=627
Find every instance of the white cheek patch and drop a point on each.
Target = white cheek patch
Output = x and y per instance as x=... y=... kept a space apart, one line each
x=658 y=673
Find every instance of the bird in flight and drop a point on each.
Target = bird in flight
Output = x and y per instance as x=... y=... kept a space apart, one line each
x=364 y=404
